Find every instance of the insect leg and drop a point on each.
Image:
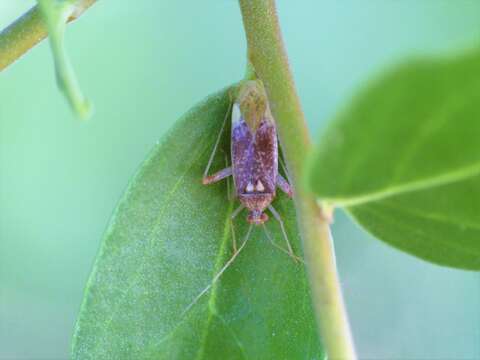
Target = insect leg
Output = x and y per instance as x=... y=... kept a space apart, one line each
x=222 y=174
x=234 y=239
x=284 y=167
x=283 y=184
x=282 y=226
x=230 y=196
x=222 y=270
x=278 y=246
x=210 y=160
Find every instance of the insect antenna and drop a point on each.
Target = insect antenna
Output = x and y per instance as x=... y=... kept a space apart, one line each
x=222 y=270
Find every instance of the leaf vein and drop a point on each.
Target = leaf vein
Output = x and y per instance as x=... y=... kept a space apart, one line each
x=414 y=229
x=432 y=182
x=425 y=130
x=162 y=207
x=433 y=217
x=234 y=336
x=213 y=292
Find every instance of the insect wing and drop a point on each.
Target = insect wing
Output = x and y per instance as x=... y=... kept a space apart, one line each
x=242 y=151
x=265 y=157
x=254 y=155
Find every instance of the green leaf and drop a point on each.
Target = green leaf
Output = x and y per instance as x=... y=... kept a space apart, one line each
x=168 y=238
x=404 y=160
x=56 y=13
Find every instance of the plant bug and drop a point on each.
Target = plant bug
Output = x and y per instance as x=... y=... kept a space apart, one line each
x=254 y=154
x=254 y=168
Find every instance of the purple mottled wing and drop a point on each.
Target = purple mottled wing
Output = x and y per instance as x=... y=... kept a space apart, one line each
x=242 y=154
x=266 y=157
x=254 y=157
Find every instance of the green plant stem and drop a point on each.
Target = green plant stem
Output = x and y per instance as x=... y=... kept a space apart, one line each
x=268 y=56
x=26 y=32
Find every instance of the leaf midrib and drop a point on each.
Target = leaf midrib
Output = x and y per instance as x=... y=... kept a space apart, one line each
x=434 y=217
x=447 y=244
x=213 y=292
x=423 y=184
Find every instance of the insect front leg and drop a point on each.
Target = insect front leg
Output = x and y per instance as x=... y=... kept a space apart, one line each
x=283 y=184
x=222 y=174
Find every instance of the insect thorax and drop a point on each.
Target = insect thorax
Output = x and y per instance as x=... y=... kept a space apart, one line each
x=253 y=103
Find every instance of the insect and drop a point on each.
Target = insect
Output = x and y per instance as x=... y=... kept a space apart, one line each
x=254 y=154
x=254 y=168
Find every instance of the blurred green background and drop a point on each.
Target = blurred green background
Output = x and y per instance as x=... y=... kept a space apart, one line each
x=143 y=64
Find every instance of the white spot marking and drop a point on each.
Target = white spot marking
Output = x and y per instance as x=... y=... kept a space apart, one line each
x=236 y=114
x=249 y=188
x=260 y=186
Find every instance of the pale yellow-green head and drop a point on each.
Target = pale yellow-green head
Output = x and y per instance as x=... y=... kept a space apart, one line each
x=252 y=102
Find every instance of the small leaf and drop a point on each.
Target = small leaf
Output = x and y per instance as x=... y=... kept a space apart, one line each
x=168 y=238
x=404 y=160
x=56 y=14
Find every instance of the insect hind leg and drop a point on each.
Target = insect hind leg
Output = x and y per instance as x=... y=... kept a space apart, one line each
x=283 y=184
x=234 y=214
x=284 y=232
x=284 y=167
x=293 y=256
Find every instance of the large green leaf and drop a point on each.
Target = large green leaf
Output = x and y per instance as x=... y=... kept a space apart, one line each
x=404 y=159
x=168 y=238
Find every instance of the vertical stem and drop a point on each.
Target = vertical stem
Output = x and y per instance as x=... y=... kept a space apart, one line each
x=267 y=54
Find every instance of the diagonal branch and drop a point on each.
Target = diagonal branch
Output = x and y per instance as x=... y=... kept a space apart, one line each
x=26 y=32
